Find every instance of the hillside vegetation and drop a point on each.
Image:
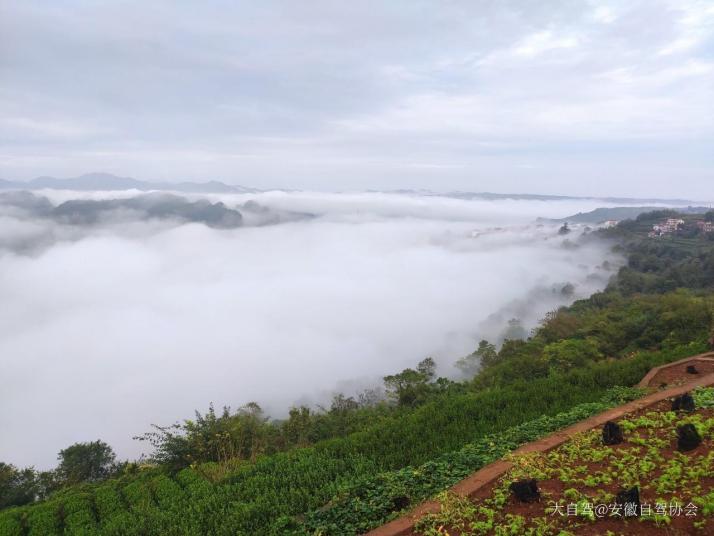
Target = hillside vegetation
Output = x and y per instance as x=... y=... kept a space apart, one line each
x=360 y=462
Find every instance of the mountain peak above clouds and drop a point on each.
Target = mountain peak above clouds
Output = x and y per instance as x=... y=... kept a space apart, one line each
x=107 y=181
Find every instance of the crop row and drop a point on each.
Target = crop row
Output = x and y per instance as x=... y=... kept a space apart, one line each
x=375 y=500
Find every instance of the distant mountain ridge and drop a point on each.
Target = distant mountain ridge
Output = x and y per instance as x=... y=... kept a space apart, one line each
x=491 y=196
x=108 y=182
x=545 y=197
x=603 y=214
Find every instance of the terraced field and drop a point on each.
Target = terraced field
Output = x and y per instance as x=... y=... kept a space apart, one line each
x=657 y=478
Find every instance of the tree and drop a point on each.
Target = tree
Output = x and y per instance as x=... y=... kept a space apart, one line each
x=564 y=229
x=427 y=368
x=370 y=397
x=656 y=215
x=410 y=387
x=86 y=462
x=483 y=356
x=570 y=353
x=342 y=404
x=17 y=486
x=47 y=483
x=514 y=331
x=487 y=352
x=212 y=437
x=558 y=325
x=297 y=427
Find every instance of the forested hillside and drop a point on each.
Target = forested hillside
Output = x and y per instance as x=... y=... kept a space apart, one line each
x=360 y=462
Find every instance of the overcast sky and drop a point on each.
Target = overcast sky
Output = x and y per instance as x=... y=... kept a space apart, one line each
x=594 y=98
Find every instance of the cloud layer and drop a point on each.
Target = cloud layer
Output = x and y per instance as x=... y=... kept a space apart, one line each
x=110 y=327
x=595 y=98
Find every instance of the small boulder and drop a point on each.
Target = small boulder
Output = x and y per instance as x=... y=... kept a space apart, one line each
x=683 y=403
x=691 y=369
x=687 y=437
x=526 y=491
x=630 y=501
x=611 y=433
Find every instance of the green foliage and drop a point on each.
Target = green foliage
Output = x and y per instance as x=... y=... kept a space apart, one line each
x=571 y=353
x=514 y=331
x=371 y=501
x=607 y=325
x=78 y=514
x=43 y=519
x=210 y=437
x=585 y=468
x=706 y=503
x=247 y=433
x=86 y=462
x=559 y=325
x=11 y=522
x=411 y=387
x=703 y=397
x=485 y=355
x=17 y=487
x=618 y=395
x=107 y=500
x=681 y=260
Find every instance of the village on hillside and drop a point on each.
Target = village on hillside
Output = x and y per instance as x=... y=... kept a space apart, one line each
x=671 y=226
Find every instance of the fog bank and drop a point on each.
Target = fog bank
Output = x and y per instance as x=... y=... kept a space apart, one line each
x=112 y=324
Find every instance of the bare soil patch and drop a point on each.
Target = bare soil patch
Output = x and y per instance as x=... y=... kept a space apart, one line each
x=678 y=375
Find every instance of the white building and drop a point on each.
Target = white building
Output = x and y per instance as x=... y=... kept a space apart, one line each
x=706 y=226
x=668 y=226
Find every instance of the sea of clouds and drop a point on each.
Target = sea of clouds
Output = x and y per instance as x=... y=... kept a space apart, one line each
x=133 y=317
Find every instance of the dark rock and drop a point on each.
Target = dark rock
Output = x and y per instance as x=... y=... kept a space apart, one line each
x=687 y=437
x=683 y=403
x=611 y=433
x=630 y=501
x=691 y=369
x=525 y=490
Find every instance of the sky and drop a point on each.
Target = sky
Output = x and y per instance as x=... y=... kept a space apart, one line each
x=110 y=326
x=558 y=97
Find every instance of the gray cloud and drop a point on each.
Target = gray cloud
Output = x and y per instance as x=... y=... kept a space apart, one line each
x=110 y=327
x=597 y=98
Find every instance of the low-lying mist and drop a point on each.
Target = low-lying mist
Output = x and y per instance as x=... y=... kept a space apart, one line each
x=129 y=317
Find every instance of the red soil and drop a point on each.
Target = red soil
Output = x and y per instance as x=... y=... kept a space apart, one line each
x=480 y=484
x=679 y=525
x=678 y=375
